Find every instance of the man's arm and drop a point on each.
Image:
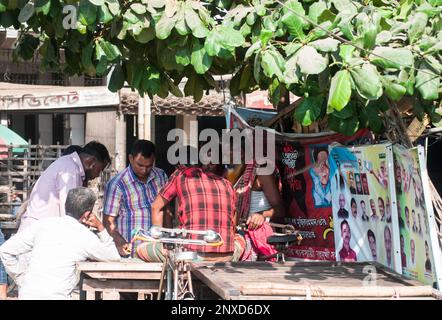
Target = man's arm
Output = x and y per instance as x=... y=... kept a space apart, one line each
x=110 y=224
x=18 y=244
x=157 y=213
x=270 y=188
x=102 y=248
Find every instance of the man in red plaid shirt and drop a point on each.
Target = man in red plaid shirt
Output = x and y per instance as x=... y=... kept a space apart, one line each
x=206 y=201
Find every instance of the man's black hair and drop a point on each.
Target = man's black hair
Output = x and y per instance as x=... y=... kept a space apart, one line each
x=71 y=149
x=370 y=234
x=144 y=147
x=97 y=150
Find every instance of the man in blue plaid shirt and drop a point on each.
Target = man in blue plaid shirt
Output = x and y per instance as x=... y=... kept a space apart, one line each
x=3 y=274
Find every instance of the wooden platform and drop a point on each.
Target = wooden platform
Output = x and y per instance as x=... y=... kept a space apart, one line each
x=308 y=280
x=107 y=280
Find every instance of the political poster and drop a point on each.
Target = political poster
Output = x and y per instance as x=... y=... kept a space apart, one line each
x=420 y=253
x=303 y=165
x=365 y=222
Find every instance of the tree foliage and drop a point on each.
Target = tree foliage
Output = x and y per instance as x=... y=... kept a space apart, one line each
x=290 y=45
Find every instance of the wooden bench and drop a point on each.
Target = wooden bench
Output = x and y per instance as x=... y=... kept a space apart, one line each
x=107 y=280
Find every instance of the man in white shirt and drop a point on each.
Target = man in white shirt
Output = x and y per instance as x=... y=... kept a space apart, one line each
x=56 y=245
x=48 y=196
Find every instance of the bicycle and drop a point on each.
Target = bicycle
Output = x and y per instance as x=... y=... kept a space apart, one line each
x=280 y=240
x=176 y=267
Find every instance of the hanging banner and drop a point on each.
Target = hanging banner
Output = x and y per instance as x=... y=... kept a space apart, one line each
x=420 y=253
x=306 y=191
x=366 y=225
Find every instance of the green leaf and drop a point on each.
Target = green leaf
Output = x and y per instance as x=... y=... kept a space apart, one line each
x=257 y=67
x=112 y=52
x=97 y=2
x=194 y=87
x=26 y=13
x=145 y=35
x=104 y=15
x=270 y=66
x=183 y=56
x=346 y=52
x=325 y=45
x=393 y=58
x=394 y=90
x=117 y=78
x=193 y=21
x=427 y=82
x=290 y=73
x=164 y=27
x=42 y=6
x=252 y=49
x=180 y=25
x=246 y=77
x=347 y=127
x=114 y=6
x=292 y=21
x=151 y=82
x=138 y=8
x=87 y=13
x=340 y=90
x=101 y=66
x=383 y=37
x=370 y=33
x=309 y=110
x=316 y=9
x=86 y=59
x=200 y=60
x=231 y=37
x=417 y=26
x=213 y=43
x=310 y=61
x=265 y=36
x=367 y=81
x=292 y=48
x=3 y=5
x=374 y=119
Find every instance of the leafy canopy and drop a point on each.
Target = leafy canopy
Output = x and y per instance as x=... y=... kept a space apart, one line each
x=290 y=45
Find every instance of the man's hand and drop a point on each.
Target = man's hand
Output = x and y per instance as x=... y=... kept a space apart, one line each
x=255 y=221
x=91 y=220
x=124 y=249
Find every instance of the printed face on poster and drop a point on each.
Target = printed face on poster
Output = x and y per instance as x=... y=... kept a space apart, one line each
x=361 y=204
x=417 y=254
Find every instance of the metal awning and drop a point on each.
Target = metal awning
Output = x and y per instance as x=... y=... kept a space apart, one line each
x=18 y=97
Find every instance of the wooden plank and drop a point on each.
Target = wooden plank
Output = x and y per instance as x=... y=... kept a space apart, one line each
x=132 y=275
x=146 y=286
x=123 y=265
x=222 y=288
x=334 y=291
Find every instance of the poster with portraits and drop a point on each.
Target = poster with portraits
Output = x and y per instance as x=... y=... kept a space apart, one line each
x=364 y=219
x=416 y=220
x=303 y=166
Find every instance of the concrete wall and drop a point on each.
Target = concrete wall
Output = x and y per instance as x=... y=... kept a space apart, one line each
x=101 y=126
x=44 y=129
x=77 y=129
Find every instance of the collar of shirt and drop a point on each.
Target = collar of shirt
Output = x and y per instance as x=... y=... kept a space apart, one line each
x=76 y=159
x=133 y=177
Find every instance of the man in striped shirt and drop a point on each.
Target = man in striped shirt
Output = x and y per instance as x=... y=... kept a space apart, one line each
x=129 y=195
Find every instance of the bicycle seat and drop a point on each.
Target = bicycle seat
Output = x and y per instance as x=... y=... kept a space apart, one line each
x=289 y=239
